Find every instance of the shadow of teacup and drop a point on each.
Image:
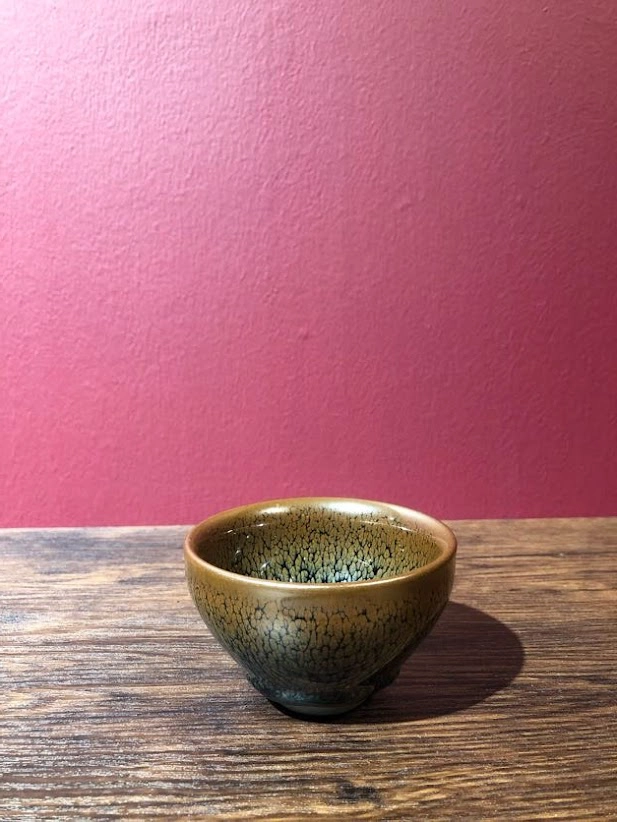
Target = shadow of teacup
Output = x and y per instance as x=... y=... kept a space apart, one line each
x=467 y=657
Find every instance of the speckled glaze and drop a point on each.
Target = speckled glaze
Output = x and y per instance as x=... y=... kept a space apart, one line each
x=320 y=599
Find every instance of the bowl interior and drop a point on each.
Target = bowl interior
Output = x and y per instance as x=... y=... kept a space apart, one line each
x=318 y=541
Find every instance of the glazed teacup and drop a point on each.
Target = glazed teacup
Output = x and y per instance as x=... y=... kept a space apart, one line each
x=320 y=599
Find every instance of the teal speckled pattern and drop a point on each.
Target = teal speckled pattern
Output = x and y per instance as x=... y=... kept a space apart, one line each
x=319 y=600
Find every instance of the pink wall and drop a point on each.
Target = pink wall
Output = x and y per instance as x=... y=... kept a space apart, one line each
x=260 y=249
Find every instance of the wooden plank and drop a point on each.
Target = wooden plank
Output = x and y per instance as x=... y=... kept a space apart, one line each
x=117 y=703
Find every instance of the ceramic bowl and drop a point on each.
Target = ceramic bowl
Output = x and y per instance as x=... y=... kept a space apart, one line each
x=320 y=599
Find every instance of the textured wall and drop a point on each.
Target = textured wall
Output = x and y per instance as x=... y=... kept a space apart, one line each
x=256 y=249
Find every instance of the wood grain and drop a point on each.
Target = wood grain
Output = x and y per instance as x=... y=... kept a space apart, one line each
x=116 y=702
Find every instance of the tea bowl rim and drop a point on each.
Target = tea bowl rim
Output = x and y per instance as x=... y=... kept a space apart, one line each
x=434 y=526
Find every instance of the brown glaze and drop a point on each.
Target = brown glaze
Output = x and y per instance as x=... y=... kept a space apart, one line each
x=320 y=599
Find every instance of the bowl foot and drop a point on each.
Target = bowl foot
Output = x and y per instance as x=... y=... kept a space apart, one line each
x=316 y=709
x=313 y=703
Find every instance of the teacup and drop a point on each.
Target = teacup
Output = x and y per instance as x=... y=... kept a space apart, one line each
x=320 y=599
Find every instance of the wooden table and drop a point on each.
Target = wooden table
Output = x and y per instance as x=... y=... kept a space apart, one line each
x=117 y=703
